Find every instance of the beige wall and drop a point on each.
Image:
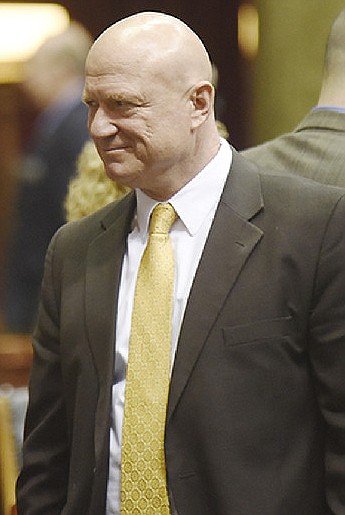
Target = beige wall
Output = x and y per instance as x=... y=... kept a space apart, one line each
x=287 y=73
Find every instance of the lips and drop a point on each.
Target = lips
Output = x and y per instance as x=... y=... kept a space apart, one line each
x=118 y=148
x=114 y=154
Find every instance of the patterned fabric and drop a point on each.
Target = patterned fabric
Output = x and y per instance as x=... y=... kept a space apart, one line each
x=144 y=489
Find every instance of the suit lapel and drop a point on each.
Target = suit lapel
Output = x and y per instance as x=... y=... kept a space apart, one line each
x=231 y=240
x=104 y=262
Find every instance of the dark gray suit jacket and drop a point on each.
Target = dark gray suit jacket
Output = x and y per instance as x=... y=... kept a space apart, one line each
x=315 y=149
x=256 y=414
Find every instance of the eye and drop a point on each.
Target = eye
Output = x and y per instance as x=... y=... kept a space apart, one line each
x=124 y=108
x=125 y=104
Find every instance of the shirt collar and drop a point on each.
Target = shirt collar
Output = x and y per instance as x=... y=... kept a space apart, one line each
x=202 y=193
x=329 y=108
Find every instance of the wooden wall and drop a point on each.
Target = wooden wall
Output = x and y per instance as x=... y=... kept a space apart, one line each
x=287 y=74
x=9 y=147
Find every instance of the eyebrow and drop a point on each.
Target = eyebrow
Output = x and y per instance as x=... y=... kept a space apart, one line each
x=116 y=97
x=120 y=97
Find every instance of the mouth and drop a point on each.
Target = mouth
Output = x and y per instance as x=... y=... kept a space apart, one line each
x=115 y=150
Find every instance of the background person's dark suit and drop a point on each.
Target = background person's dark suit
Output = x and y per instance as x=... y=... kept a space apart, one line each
x=46 y=170
x=256 y=415
x=315 y=149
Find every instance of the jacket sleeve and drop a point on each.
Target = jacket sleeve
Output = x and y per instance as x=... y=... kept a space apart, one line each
x=42 y=483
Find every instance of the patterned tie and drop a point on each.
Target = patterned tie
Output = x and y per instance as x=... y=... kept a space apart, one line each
x=143 y=472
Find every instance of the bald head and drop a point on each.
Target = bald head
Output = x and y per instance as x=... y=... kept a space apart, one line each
x=158 y=42
x=333 y=84
x=148 y=87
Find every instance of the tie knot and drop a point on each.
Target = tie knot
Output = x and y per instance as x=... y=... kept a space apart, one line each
x=162 y=218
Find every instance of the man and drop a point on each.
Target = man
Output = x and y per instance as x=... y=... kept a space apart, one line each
x=254 y=421
x=54 y=81
x=315 y=149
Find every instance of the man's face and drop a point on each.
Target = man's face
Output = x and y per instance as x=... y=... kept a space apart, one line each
x=139 y=121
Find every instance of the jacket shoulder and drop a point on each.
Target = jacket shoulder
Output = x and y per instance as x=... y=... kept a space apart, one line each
x=82 y=232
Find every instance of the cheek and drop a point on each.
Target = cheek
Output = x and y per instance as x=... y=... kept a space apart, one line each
x=173 y=137
x=144 y=139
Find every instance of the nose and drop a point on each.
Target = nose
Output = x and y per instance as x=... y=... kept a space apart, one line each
x=101 y=124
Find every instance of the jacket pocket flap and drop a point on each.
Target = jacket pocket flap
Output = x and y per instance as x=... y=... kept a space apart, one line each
x=259 y=330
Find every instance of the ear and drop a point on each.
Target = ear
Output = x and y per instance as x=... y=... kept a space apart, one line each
x=202 y=100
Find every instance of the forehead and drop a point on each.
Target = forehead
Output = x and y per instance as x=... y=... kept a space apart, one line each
x=108 y=71
x=111 y=55
x=135 y=65
x=111 y=74
x=111 y=62
x=115 y=87
x=123 y=80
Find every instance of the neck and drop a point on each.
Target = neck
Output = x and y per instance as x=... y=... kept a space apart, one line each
x=332 y=95
x=174 y=180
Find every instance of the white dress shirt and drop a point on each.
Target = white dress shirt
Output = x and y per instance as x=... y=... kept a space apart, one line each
x=195 y=205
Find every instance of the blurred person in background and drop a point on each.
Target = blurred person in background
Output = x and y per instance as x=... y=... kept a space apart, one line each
x=54 y=81
x=316 y=147
x=90 y=189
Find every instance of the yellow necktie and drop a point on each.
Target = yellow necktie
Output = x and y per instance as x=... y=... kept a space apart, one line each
x=143 y=471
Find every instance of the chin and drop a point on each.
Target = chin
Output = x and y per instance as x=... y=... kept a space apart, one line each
x=118 y=174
